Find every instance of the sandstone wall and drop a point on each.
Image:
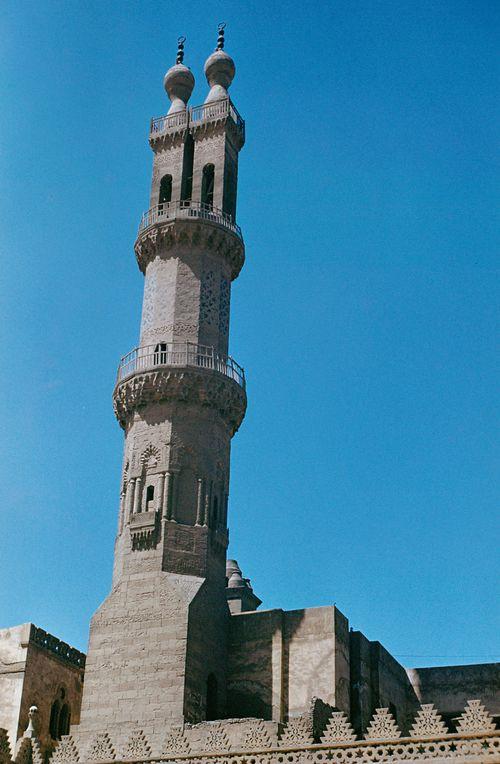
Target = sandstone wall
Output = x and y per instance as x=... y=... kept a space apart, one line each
x=278 y=661
x=448 y=687
x=13 y=652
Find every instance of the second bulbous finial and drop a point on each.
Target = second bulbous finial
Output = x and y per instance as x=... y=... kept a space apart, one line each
x=219 y=70
x=179 y=81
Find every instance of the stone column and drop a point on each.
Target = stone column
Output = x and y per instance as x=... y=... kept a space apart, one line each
x=199 y=503
x=122 y=511
x=129 y=498
x=137 y=495
x=166 y=496
x=174 y=490
x=161 y=489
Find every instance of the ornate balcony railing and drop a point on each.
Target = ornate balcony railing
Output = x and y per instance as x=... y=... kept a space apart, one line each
x=165 y=354
x=208 y=112
x=169 y=122
x=197 y=115
x=185 y=210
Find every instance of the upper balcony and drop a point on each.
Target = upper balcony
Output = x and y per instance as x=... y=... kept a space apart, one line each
x=178 y=354
x=185 y=210
x=197 y=116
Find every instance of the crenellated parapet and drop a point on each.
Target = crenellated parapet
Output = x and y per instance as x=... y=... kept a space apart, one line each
x=239 y=741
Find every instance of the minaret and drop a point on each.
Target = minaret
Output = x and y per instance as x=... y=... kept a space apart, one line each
x=157 y=650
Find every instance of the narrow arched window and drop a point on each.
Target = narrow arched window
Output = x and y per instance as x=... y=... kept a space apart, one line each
x=150 y=494
x=160 y=355
x=207 y=185
x=212 y=700
x=54 y=720
x=64 y=721
x=215 y=511
x=165 y=190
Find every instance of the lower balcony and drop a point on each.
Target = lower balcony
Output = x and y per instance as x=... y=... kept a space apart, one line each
x=178 y=354
x=188 y=210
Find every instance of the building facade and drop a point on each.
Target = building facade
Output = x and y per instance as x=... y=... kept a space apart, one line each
x=181 y=663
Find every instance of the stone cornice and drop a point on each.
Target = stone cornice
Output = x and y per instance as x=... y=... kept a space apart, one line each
x=220 y=126
x=161 y=238
x=185 y=385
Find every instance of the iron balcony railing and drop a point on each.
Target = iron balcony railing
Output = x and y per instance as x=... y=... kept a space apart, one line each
x=188 y=209
x=165 y=354
x=196 y=115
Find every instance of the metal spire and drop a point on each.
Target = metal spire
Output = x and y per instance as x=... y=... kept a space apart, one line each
x=220 y=36
x=180 y=50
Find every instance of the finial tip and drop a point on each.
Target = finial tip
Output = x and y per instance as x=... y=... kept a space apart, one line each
x=220 y=36
x=180 y=49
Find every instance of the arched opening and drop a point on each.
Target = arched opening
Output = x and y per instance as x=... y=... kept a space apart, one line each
x=207 y=185
x=393 y=710
x=160 y=356
x=187 y=169
x=165 y=195
x=64 y=721
x=150 y=494
x=54 y=720
x=211 y=698
x=215 y=512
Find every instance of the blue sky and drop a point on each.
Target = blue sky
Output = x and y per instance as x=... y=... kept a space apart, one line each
x=366 y=471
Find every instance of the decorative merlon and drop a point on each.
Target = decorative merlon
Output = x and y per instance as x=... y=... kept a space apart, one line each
x=338 y=729
x=5 y=752
x=383 y=726
x=428 y=722
x=475 y=718
x=66 y=751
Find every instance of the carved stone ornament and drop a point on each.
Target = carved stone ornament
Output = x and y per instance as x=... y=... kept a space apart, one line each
x=101 y=748
x=166 y=140
x=475 y=718
x=338 y=729
x=162 y=239
x=66 y=752
x=137 y=747
x=5 y=752
x=175 y=742
x=256 y=738
x=216 y=740
x=297 y=732
x=220 y=126
x=428 y=722
x=383 y=726
x=195 y=387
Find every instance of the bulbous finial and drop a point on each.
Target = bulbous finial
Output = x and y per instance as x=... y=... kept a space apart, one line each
x=179 y=81
x=31 y=729
x=219 y=70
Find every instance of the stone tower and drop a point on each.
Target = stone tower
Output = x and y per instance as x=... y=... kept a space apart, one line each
x=157 y=649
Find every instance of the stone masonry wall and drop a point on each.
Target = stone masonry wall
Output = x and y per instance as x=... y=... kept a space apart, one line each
x=448 y=687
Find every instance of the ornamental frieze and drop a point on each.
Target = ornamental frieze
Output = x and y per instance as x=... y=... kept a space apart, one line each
x=193 y=387
x=162 y=239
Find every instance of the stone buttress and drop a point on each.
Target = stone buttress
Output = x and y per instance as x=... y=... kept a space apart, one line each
x=157 y=650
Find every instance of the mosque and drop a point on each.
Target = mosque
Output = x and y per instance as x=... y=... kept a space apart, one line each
x=183 y=663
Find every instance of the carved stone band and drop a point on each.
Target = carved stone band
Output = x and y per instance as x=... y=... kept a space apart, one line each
x=162 y=238
x=188 y=385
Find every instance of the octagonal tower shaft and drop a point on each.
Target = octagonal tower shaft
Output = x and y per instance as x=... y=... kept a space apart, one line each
x=179 y=398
